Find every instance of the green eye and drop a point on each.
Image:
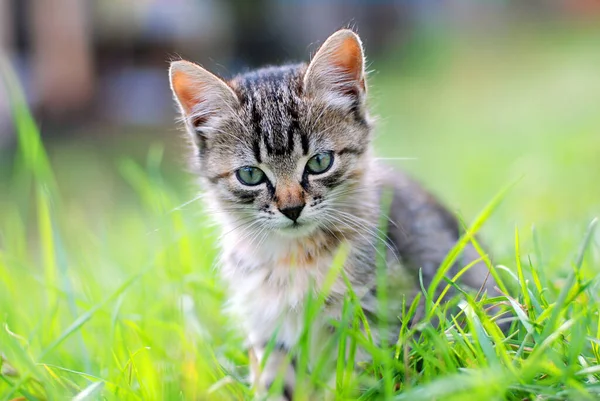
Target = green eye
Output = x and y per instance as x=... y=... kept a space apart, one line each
x=250 y=175
x=319 y=163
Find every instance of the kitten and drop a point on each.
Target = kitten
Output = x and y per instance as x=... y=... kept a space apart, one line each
x=285 y=158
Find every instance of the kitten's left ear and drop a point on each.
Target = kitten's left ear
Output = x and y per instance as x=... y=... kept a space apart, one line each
x=336 y=73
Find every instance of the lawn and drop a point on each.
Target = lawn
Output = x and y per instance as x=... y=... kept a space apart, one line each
x=107 y=281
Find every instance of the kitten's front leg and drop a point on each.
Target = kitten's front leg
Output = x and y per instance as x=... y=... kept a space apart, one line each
x=278 y=366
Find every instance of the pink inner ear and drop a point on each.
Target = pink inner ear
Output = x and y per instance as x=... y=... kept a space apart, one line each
x=348 y=58
x=187 y=91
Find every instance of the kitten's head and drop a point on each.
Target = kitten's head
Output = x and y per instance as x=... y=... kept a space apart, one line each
x=281 y=148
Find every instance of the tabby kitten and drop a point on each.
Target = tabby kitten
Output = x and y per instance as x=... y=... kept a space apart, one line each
x=286 y=162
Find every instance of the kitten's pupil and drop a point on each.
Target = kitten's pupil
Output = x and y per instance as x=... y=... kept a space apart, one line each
x=250 y=175
x=320 y=163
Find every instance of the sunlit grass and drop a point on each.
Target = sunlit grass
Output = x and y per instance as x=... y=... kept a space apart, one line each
x=112 y=294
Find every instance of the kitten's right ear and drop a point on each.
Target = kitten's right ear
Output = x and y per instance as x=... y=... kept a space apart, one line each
x=201 y=95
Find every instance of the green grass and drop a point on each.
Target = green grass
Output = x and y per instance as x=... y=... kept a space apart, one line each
x=107 y=286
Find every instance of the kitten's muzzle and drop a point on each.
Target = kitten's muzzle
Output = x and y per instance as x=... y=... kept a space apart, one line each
x=292 y=212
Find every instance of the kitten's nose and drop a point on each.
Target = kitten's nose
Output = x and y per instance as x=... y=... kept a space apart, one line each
x=292 y=212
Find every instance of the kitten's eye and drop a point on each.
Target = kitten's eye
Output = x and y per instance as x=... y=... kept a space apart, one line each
x=250 y=175
x=319 y=163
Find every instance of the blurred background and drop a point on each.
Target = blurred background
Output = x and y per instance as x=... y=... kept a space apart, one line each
x=470 y=95
x=477 y=94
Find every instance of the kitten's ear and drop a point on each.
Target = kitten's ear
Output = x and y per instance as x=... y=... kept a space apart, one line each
x=336 y=73
x=200 y=94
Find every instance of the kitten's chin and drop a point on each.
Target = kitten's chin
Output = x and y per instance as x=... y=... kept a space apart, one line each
x=297 y=230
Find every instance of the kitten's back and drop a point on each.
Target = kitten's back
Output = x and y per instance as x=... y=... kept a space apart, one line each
x=423 y=231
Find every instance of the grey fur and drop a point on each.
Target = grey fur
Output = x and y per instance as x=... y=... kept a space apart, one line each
x=280 y=117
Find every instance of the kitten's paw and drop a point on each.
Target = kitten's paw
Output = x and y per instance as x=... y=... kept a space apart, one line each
x=287 y=393
x=276 y=378
x=270 y=382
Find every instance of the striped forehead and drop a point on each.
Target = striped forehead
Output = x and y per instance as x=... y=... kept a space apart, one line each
x=272 y=106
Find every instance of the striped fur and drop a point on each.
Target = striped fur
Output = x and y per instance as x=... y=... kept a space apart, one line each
x=276 y=119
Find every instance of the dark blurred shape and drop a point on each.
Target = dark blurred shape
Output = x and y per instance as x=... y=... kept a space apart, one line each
x=278 y=31
x=6 y=38
x=61 y=56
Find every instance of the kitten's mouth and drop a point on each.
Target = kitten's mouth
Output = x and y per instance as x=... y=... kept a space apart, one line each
x=295 y=226
x=296 y=229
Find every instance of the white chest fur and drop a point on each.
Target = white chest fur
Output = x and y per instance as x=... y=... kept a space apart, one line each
x=269 y=286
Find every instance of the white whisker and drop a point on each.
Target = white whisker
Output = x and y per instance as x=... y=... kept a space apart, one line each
x=397 y=158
